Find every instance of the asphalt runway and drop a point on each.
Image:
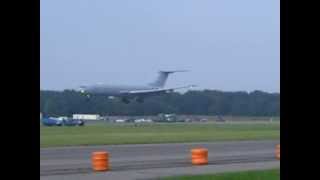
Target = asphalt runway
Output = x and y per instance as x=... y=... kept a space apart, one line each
x=151 y=161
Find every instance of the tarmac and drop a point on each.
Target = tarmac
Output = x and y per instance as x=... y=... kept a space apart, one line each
x=152 y=161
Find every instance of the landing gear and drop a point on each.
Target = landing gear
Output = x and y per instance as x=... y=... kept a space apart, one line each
x=124 y=100
x=140 y=100
x=87 y=97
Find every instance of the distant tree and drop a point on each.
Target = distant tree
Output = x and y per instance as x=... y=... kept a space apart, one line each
x=206 y=102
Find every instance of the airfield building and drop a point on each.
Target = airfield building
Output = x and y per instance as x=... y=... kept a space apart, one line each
x=86 y=116
x=143 y=120
x=120 y=120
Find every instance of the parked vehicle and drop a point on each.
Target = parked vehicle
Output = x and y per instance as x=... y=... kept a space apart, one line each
x=51 y=122
x=64 y=122
x=73 y=122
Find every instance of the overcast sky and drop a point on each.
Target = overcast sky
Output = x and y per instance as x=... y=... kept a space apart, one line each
x=227 y=45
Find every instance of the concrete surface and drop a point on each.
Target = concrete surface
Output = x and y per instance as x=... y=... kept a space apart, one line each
x=151 y=161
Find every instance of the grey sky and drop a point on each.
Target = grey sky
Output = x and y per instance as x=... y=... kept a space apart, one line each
x=228 y=45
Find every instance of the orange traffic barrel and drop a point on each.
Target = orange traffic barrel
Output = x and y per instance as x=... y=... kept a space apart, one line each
x=199 y=156
x=100 y=161
x=277 y=151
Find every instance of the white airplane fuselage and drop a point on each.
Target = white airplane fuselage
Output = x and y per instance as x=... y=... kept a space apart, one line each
x=127 y=92
x=113 y=90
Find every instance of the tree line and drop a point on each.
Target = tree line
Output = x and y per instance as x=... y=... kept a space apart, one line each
x=205 y=102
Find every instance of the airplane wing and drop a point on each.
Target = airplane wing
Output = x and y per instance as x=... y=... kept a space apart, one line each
x=154 y=91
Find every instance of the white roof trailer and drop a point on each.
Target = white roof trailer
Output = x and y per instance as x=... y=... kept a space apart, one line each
x=86 y=116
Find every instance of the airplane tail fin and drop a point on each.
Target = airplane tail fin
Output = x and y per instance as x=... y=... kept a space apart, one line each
x=162 y=78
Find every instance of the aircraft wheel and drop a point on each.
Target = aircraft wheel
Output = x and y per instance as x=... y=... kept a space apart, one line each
x=140 y=100
x=87 y=98
x=126 y=101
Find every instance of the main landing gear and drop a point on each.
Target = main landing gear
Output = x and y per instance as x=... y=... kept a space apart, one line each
x=140 y=100
x=125 y=100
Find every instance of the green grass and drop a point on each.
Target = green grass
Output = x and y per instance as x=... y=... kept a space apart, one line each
x=107 y=133
x=273 y=174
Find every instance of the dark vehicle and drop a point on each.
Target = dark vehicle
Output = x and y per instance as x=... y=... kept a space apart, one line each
x=73 y=122
x=51 y=122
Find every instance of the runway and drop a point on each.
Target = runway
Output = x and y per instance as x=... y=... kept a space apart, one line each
x=149 y=161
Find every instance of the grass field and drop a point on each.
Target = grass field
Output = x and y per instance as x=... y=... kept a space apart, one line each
x=108 y=133
x=273 y=174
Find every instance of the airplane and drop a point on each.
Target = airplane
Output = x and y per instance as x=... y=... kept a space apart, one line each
x=127 y=93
